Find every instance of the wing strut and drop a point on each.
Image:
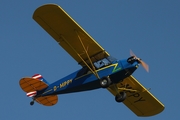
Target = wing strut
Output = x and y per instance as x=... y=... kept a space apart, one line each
x=93 y=70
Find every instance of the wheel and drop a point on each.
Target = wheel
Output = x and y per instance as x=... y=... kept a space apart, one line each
x=105 y=82
x=32 y=103
x=120 y=97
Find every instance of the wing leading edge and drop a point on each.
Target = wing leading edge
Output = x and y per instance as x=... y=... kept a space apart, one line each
x=76 y=41
x=139 y=100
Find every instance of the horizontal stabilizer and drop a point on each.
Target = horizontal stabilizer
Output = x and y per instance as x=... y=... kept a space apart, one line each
x=31 y=84
x=48 y=100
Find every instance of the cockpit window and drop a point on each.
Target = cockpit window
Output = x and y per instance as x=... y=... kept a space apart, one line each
x=99 y=64
x=102 y=63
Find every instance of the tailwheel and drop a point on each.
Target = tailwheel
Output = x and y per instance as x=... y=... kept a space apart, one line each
x=120 y=97
x=32 y=103
x=105 y=82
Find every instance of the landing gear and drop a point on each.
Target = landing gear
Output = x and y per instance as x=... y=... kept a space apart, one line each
x=120 y=97
x=105 y=82
x=32 y=103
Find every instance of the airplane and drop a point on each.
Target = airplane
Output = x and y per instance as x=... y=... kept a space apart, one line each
x=99 y=68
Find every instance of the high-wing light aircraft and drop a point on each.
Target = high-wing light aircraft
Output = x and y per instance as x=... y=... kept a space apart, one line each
x=99 y=69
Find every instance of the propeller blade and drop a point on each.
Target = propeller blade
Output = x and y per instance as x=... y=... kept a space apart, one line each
x=146 y=66
x=132 y=54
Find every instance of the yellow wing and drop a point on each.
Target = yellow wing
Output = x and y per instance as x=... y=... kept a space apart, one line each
x=139 y=99
x=76 y=41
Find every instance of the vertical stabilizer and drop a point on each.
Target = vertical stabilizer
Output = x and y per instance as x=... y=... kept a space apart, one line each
x=40 y=77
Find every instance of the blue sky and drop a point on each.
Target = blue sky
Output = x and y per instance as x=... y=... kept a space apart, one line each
x=150 y=28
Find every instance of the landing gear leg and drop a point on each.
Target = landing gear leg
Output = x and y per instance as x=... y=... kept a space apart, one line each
x=32 y=102
x=120 y=96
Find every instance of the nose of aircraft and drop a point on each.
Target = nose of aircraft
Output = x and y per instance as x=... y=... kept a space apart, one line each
x=144 y=65
x=129 y=66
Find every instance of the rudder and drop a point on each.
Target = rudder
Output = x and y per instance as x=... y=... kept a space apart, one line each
x=40 y=77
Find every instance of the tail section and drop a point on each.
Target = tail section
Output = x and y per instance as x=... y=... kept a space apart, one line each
x=40 y=77
x=31 y=94
x=35 y=83
x=31 y=85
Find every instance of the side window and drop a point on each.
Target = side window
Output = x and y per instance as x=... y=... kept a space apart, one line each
x=101 y=63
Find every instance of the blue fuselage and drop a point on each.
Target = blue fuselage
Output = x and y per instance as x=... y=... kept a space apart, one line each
x=83 y=79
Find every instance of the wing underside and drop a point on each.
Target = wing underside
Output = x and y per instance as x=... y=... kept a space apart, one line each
x=76 y=41
x=139 y=99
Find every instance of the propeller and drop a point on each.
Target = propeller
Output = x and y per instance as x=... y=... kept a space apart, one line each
x=146 y=67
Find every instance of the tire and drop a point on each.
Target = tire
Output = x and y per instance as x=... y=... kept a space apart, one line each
x=32 y=103
x=120 y=97
x=105 y=82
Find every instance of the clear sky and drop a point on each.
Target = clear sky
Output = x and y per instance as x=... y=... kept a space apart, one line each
x=151 y=28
